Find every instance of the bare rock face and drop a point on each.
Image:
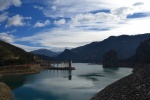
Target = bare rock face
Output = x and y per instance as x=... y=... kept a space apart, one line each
x=5 y=92
x=110 y=59
x=143 y=52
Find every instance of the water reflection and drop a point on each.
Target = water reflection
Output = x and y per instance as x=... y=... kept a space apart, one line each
x=80 y=84
x=48 y=74
x=54 y=85
x=111 y=70
x=92 y=76
x=13 y=81
x=58 y=74
x=70 y=75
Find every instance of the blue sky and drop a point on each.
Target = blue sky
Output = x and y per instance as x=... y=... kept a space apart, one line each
x=59 y=24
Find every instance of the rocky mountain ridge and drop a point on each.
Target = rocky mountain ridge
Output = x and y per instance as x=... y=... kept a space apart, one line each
x=124 y=45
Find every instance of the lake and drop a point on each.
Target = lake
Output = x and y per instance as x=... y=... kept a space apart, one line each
x=80 y=84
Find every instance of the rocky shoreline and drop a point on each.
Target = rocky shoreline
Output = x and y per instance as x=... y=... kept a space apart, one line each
x=20 y=69
x=5 y=92
x=135 y=86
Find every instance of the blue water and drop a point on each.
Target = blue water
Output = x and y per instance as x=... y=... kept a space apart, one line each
x=80 y=84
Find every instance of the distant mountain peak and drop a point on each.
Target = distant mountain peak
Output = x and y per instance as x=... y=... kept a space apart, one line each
x=45 y=52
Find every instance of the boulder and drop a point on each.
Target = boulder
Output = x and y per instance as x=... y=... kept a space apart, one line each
x=110 y=59
x=5 y=92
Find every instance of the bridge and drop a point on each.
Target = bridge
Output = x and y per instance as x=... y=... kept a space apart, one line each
x=56 y=65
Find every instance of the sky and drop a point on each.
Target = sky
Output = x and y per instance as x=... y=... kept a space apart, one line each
x=60 y=24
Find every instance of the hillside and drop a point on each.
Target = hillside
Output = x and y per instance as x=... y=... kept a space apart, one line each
x=69 y=55
x=124 y=45
x=45 y=52
x=141 y=57
x=10 y=55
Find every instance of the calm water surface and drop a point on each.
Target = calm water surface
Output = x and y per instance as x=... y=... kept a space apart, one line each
x=80 y=84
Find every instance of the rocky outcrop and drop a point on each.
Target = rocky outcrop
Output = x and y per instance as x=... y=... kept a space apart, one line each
x=132 y=87
x=110 y=59
x=143 y=52
x=141 y=57
x=5 y=93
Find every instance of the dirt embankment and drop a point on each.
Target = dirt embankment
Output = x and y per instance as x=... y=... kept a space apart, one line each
x=20 y=69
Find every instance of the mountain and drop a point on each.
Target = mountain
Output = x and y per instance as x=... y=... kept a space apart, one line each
x=46 y=58
x=10 y=54
x=143 y=52
x=124 y=45
x=134 y=86
x=45 y=52
x=69 y=55
x=141 y=57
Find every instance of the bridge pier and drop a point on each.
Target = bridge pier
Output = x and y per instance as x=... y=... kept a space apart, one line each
x=70 y=63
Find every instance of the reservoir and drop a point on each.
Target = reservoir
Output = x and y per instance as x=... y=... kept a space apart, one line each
x=79 y=84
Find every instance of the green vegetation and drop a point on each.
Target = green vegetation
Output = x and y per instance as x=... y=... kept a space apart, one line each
x=11 y=55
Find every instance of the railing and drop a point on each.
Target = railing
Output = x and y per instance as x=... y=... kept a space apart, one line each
x=57 y=65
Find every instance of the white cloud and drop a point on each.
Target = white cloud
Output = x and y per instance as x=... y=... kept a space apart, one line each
x=55 y=38
x=71 y=8
x=6 y=37
x=31 y=48
x=12 y=31
x=80 y=12
x=54 y=8
x=60 y=22
x=68 y=8
x=41 y=24
x=27 y=48
x=16 y=3
x=86 y=22
x=3 y=17
x=73 y=37
x=28 y=18
x=16 y=20
x=138 y=3
x=5 y=4
x=38 y=7
x=89 y=19
x=123 y=12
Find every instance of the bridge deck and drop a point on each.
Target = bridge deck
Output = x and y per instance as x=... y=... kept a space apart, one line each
x=57 y=65
x=61 y=68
